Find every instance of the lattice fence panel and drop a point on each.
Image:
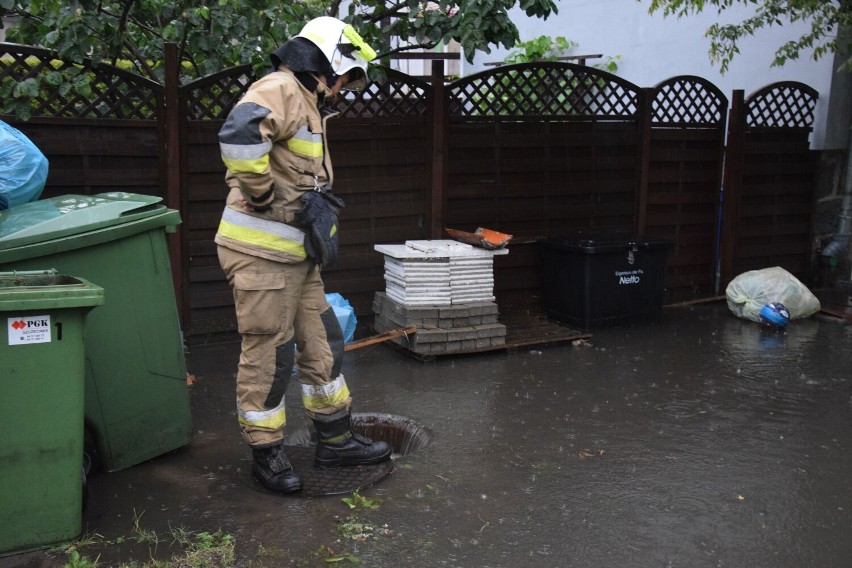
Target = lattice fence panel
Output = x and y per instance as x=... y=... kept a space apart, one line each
x=544 y=90
x=776 y=190
x=115 y=93
x=688 y=100
x=785 y=104
x=393 y=95
x=212 y=97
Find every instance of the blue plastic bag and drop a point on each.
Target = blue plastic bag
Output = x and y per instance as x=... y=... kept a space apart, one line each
x=23 y=168
x=345 y=315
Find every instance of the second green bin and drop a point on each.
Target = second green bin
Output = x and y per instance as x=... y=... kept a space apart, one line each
x=137 y=402
x=41 y=410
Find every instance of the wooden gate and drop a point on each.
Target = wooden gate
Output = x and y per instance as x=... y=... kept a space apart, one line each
x=769 y=182
x=685 y=145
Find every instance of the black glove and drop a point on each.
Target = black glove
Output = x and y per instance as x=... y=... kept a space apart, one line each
x=319 y=214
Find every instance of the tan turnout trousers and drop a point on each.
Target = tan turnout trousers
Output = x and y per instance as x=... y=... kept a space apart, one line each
x=281 y=307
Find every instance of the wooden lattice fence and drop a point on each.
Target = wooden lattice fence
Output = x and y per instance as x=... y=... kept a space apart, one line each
x=534 y=150
x=106 y=140
x=684 y=170
x=540 y=150
x=769 y=182
x=107 y=92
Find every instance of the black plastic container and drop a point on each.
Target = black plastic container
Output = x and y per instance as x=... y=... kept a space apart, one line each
x=603 y=281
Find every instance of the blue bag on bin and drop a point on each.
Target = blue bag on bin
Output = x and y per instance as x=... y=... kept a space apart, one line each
x=24 y=170
x=345 y=315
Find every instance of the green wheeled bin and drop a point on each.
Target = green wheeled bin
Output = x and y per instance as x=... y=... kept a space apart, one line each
x=41 y=410
x=136 y=396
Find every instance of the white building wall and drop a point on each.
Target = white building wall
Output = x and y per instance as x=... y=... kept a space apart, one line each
x=654 y=48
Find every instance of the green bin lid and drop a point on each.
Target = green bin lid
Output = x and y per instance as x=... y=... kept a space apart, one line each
x=69 y=215
x=70 y=222
x=44 y=290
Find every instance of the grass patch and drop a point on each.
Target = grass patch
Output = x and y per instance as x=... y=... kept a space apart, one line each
x=217 y=549
x=200 y=550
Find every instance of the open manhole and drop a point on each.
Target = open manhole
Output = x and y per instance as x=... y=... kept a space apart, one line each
x=404 y=436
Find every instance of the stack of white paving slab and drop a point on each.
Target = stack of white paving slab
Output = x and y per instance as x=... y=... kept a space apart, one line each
x=443 y=288
x=423 y=282
x=438 y=272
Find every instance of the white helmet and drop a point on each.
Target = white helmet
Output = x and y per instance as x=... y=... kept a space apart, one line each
x=345 y=50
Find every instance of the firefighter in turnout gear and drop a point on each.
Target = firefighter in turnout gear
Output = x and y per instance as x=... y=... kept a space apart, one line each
x=274 y=146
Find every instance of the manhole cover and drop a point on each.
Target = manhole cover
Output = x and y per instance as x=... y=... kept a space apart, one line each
x=333 y=481
x=403 y=435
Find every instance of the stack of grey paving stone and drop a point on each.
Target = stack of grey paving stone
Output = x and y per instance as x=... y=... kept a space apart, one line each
x=445 y=289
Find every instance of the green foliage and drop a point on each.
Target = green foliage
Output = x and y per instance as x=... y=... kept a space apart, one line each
x=209 y=36
x=209 y=541
x=210 y=550
x=545 y=48
x=543 y=94
x=407 y=24
x=609 y=64
x=358 y=501
x=222 y=33
x=143 y=535
x=218 y=34
x=77 y=561
x=823 y=16
x=200 y=550
x=542 y=48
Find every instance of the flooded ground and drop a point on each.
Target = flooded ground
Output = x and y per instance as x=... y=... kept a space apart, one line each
x=699 y=440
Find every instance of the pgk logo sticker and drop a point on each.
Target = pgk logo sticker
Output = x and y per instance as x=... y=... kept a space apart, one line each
x=24 y=330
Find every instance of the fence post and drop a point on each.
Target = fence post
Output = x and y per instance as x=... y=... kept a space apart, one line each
x=646 y=98
x=171 y=117
x=732 y=182
x=438 y=189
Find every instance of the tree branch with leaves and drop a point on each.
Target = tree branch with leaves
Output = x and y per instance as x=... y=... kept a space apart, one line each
x=215 y=34
x=824 y=18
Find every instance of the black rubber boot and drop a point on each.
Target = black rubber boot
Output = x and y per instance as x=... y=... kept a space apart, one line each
x=338 y=445
x=273 y=470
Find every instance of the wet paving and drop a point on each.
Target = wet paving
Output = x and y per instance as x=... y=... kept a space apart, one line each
x=697 y=440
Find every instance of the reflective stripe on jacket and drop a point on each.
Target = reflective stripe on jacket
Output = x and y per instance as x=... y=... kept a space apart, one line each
x=255 y=233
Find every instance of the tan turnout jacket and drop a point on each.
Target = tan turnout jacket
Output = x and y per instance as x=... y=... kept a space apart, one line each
x=274 y=146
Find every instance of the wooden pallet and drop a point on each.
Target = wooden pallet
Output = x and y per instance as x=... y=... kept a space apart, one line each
x=525 y=327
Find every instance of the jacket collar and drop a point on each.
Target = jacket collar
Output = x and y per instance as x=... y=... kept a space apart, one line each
x=308 y=82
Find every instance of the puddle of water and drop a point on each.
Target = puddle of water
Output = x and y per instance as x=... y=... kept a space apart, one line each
x=697 y=441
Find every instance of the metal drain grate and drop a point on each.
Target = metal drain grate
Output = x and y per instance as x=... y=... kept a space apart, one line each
x=317 y=482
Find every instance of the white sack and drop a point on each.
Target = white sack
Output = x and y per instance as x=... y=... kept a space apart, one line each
x=750 y=291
